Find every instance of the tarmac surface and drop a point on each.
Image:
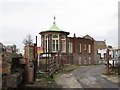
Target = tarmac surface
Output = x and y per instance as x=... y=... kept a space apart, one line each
x=88 y=77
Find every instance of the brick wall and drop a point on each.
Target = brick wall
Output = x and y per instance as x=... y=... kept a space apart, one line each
x=83 y=57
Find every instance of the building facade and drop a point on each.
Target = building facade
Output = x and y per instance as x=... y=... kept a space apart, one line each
x=54 y=39
x=79 y=50
x=99 y=51
x=8 y=48
x=82 y=50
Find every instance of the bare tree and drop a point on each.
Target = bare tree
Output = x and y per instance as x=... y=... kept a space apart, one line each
x=28 y=40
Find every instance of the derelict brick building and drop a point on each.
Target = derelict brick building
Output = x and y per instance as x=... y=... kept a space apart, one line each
x=79 y=50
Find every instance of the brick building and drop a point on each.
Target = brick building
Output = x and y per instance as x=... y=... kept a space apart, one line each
x=54 y=39
x=99 y=45
x=8 y=48
x=79 y=50
x=82 y=50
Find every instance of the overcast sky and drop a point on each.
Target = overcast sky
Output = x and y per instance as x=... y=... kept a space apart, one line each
x=98 y=18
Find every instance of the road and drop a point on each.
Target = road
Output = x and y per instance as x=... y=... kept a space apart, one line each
x=86 y=77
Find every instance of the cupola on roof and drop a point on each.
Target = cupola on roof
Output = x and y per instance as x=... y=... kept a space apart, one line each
x=55 y=29
x=54 y=26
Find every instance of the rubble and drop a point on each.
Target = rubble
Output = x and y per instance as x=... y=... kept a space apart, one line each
x=15 y=78
x=11 y=70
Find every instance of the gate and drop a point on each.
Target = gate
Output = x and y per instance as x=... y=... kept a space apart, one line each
x=53 y=63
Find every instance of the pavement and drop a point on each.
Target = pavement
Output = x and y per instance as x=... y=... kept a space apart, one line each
x=87 y=77
x=67 y=81
x=0 y=81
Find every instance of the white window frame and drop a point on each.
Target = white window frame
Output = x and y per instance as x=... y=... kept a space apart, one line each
x=56 y=35
x=89 y=48
x=55 y=39
x=80 y=48
x=46 y=39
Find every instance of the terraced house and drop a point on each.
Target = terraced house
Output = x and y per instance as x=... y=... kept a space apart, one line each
x=79 y=50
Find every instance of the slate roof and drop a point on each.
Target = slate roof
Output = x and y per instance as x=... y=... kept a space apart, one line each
x=88 y=37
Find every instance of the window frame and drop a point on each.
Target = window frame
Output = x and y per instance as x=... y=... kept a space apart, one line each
x=56 y=39
x=46 y=42
x=89 y=48
x=85 y=47
x=80 y=48
x=70 y=47
x=63 y=45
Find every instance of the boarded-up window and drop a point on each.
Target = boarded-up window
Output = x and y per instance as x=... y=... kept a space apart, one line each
x=80 y=61
x=63 y=46
x=84 y=47
x=80 y=48
x=63 y=43
x=70 y=49
x=89 y=60
x=85 y=61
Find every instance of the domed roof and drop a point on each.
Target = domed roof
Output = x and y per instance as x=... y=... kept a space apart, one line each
x=54 y=27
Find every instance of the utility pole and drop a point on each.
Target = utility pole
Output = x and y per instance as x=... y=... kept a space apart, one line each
x=35 y=57
x=48 y=51
x=46 y=54
x=107 y=60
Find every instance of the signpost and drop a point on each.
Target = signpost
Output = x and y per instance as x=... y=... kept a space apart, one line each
x=39 y=51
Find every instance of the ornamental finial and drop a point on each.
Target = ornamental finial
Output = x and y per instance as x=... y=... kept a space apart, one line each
x=54 y=19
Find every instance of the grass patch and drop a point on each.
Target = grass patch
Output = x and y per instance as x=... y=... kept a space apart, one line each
x=69 y=68
x=106 y=74
x=50 y=79
x=47 y=79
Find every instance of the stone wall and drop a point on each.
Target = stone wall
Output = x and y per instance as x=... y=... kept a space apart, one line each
x=11 y=70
